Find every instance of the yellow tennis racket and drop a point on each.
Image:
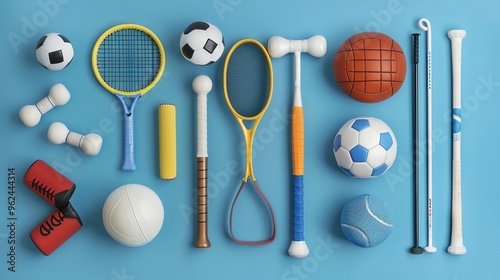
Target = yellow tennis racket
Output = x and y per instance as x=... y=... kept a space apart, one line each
x=248 y=87
x=128 y=60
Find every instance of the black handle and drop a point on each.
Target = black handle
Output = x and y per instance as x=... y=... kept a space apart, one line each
x=415 y=47
x=416 y=249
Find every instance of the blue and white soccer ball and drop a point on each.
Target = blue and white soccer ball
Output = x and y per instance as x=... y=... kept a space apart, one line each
x=365 y=147
x=54 y=51
x=202 y=43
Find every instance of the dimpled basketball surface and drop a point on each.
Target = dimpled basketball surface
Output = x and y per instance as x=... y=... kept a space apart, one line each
x=133 y=215
x=370 y=67
x=366 y=220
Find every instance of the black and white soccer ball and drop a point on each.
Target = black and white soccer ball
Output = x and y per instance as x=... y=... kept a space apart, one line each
x=54 y=51
x=202 y=43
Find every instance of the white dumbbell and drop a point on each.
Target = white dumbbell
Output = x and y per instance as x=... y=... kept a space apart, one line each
x=30 y=114
x=90 y=144
x=279 y=46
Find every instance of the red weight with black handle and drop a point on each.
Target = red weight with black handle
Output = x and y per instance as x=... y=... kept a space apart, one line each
x=49 y=184
x=56 y=229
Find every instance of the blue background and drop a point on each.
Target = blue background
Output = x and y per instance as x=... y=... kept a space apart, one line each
x=92 y=254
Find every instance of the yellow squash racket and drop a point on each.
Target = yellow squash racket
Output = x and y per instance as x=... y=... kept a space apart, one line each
x=248 y=87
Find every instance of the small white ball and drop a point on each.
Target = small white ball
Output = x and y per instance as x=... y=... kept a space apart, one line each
x=133 y=215
x=202 y=84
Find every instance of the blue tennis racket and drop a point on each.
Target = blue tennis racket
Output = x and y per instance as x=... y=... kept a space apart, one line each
x=128 y=60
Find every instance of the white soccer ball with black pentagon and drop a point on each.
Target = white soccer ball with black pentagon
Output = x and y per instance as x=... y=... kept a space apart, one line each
x=54 y=51
x=365 y=147
x=202 y=43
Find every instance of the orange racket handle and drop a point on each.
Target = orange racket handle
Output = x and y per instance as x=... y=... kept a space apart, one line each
x=298 y=182
x=297 y=140
x=202 y=239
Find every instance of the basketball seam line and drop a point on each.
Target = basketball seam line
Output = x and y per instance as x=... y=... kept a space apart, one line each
x=375 y=216
x=392 y=47
x=380 y=62
x=370 y=80
x=373 y=72
x=384 y=50
x=351 y=47
x=364 y=66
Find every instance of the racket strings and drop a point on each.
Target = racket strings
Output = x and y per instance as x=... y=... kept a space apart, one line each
x=128 y=60
x=248 y=81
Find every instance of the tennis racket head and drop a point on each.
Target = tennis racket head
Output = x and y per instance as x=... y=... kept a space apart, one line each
x=248 y=79
x=128 y=59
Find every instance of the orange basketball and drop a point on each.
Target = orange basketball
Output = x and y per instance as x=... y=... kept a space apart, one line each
x=370 y=67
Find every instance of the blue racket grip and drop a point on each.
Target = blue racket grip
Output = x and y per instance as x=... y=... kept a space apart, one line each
x=298 y=208
x=128 y=159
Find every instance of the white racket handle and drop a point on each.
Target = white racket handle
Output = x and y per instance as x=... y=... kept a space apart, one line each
x=202 y=126
x=456 y=244
x=202 y=85
x=456 y=37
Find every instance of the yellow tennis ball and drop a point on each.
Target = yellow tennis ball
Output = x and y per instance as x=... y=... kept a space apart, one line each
x=133 y=215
